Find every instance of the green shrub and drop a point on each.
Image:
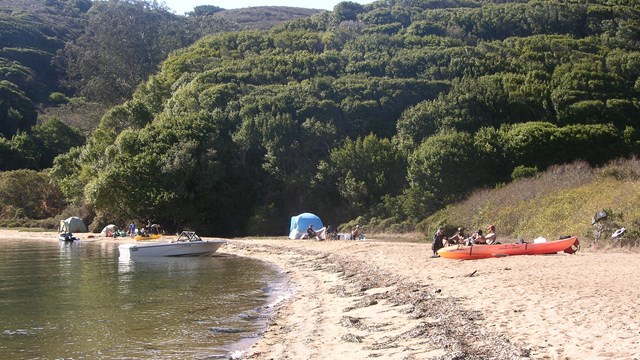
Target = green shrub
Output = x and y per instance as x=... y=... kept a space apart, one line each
x=521 y=172
x=58 y=98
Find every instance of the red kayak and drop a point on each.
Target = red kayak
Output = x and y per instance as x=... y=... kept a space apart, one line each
x=462 y=252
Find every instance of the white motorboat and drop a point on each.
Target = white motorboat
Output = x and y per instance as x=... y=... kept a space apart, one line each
x=187 y=244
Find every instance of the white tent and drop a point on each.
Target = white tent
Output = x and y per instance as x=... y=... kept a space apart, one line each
x=108 y=230
x=72 y=224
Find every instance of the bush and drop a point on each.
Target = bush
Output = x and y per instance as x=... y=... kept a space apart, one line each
x=521 y=172
x=58 y=98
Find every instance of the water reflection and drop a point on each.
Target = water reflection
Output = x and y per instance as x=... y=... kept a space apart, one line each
x=79 y=300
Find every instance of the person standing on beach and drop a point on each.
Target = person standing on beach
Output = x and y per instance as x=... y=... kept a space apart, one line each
x=132 y=229
x=438 y=241
x=355 y=234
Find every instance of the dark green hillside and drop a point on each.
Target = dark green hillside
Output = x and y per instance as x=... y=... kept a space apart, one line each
x=390 y=110
x=384 y=112
x=30 y=34
x=70 y=60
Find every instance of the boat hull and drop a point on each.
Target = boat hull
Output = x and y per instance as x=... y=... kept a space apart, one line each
x=461 y=252
x=188 y=248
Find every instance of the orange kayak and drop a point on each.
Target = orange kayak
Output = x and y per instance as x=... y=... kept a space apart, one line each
x=461 y=252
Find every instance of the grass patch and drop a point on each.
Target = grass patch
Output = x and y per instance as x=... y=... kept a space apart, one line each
x=561 y=201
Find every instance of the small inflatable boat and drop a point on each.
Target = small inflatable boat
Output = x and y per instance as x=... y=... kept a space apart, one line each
x=67 y=237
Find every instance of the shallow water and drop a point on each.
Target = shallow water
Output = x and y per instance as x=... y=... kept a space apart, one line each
x=78 y=301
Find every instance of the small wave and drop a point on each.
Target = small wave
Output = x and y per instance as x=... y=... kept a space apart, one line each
x=223 y=330
x=18 y=332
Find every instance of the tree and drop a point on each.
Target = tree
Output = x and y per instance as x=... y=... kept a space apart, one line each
x=124 y=43
x=347 y=11
x=442 y=169
x=366 y=169
x=54 y=138
x=205 y=10
x=28 y=194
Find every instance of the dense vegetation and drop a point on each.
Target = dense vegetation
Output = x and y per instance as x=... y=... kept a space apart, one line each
x=71 y=59
x=30 y=35
x=386 y=111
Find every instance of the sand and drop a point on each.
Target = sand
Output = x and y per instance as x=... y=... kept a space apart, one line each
x=391 y=300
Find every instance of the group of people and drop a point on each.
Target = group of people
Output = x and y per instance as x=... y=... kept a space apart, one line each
x=330 y=233
x=149 y=229
x=440 y=239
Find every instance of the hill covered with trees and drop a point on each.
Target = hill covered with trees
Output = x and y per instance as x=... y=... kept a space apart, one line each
x=384 y=113
x=390 y=110
x=69 y=60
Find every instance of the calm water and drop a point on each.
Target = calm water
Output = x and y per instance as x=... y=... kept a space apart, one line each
x=79 y=301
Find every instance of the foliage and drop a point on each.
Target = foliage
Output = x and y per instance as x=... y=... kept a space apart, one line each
x=58 y=98
x=521 y=172
x=391 y=110
x=442 y=169
x=106 y=68
x=205 y=10
x=365 y=170
x=30 y=34
x=27 y=194
x=37 y=148
x=17 y=112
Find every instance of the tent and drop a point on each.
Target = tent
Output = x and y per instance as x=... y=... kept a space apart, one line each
x=108 y=230
x=72 y=224
x=300 y=223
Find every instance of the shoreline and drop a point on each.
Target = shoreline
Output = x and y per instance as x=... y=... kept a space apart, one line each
x=364 y=299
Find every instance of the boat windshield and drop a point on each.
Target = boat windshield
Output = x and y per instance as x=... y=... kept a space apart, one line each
x=189 y=236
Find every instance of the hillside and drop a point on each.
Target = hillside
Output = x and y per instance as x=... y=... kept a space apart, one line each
x=561 y=201
x=262 y=17
x=386 y=111
x=70 y=60
x=30 y=35
x=382 y=113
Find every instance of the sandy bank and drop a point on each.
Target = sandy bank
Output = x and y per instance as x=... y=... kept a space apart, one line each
x=367 y=299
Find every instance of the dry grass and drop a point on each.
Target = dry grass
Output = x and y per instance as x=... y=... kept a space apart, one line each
x=560 y=201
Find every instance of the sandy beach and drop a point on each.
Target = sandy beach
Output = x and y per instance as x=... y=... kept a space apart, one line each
x=391 y=300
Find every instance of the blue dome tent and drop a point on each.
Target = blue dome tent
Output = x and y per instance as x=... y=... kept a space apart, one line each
x=300 y=223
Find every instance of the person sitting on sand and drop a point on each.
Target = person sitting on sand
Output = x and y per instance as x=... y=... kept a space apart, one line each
x=476 y=238
x=491 y=235
x=457 y=238
x=331 y=233
x=310 y=233
x=321 y=234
